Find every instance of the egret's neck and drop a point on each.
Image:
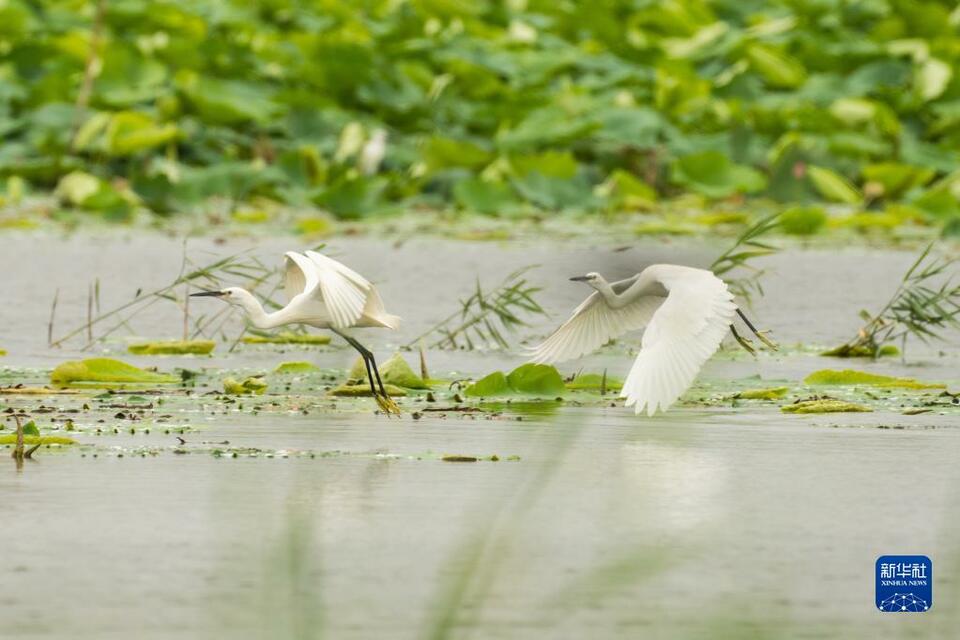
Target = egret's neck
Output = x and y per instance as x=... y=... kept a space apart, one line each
x=639 y=287
x=255 y=313
x=605 y=290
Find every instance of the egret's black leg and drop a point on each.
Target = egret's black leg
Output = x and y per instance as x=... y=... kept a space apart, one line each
x=760 y=334
x=744 y=342
x=383 y=398
x=376 y=372
x=366 y=363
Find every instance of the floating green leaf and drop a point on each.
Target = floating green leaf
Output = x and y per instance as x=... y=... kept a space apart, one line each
x=105 y=370
x=394 y=371
x=825 y=405
x=363 y=390
x=536 y=379
x=172 y=347
x=594 y=382
x=299 y=366
x=37 y=439
x=527 y=379
x=836 y=377
x=286 y=337
x=249 y=385
x=772 y=393
x=491 y=385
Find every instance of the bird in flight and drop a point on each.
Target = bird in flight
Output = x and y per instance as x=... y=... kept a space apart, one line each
x=686 y=312
x=326 y=294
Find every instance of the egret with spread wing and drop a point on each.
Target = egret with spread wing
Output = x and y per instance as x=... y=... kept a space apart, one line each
x=686 y=312
x=325 y=294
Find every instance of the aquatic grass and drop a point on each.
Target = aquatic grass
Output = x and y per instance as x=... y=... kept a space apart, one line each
x=241 y=268
x=739 y=255
x=486 y=317
x=925 y=303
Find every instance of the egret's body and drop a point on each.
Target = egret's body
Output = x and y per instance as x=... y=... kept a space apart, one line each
x=686 y=313
x=372 y=153
x=325 y=294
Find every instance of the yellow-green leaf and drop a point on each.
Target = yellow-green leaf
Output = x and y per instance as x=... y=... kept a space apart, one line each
x=832 y=186
x=105 y=370
x=777 y=68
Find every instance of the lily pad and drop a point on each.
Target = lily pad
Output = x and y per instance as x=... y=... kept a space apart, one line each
x=594 y=382
x=846 y=377
x=35 y=439
x=288 y=337
x=172 y=347
x=106 y=370
x=249 y=385
x=712 y=174
x=803 y=221
x=537 y=379
x=362 y=390
x=527 y=379
x=848 y=351
x=394 y=371
x=300 y=366
x=772 y=393
x=825 y=405
x=494 y=384
x=35 y=391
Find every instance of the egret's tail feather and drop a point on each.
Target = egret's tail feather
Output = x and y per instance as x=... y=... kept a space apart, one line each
x=391 y=321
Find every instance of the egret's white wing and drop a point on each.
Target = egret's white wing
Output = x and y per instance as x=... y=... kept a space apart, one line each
x=375 y=310
x=344 y=291
x=682 y=335
x=300 y=275
x=593 y=324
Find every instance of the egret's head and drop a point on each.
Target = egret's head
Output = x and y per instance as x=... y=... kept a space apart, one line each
x=233 y=295
x=591 y=278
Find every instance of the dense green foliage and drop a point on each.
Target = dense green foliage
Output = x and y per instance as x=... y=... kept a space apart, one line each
x=493 y=107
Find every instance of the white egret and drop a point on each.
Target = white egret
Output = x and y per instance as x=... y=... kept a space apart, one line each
x=326 y=294
x=686 y=313
x=373 y=152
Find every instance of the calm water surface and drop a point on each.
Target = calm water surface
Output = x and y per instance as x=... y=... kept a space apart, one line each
x=704 y=523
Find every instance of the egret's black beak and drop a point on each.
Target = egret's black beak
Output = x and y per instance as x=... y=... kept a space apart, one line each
x=579 y=279
x=202 y=294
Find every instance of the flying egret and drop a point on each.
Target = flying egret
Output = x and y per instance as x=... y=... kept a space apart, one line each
x=686 y=313
x=325 y=294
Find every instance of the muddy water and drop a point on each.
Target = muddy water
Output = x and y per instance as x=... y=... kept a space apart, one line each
x=708 y=522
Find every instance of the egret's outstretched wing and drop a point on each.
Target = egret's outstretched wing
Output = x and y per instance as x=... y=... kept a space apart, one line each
x=300 y=276
x=375 y=310
x=593 y=324
x=344 y=291
x=682 y=335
